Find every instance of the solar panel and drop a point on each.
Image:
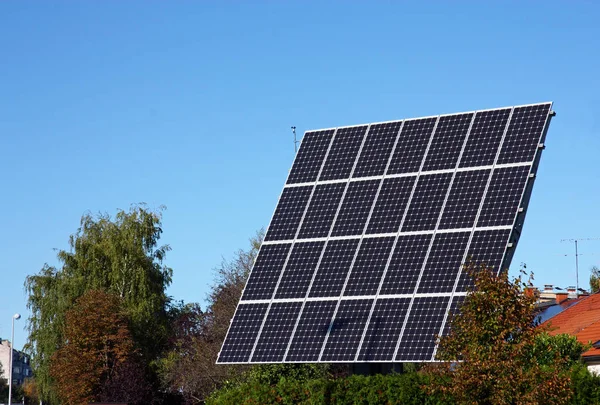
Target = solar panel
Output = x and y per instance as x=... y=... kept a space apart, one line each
x=363 y=259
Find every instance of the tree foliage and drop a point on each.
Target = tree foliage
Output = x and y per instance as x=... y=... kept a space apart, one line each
x=118 y=255
x=595 y=279
x=494 y=354
x=190 y=366
x=96 y=347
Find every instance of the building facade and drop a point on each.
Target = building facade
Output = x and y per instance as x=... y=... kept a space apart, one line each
x=21 y=366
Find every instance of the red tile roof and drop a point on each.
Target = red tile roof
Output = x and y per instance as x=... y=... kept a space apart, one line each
x=581 y=320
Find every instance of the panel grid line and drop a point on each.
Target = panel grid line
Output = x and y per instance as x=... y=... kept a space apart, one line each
x=495 y=166
x=410 y=305
x=537 y=155
x=391 y=156
x=353 y=297
x=480 y=208
x=291 y=249
x=326 y=240
x=391 y=234
x=368 y=268
x=412 y=174
x=263 y=244
x=397 y=237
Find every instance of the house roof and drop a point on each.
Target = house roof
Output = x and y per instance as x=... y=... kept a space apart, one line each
x=581 y=320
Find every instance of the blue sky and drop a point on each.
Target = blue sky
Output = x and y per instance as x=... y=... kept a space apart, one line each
x=189 y=104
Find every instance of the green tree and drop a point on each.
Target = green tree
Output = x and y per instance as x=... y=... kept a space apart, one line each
x=595 y=279
x=118 y=255
x=494 y=353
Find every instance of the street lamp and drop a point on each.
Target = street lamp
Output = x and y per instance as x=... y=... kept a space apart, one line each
x=10 y=362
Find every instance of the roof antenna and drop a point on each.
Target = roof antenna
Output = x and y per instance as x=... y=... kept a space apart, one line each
x=577 y=254
x=295 y=140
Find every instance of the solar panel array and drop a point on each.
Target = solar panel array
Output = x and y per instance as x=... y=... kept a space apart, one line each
x=363 y=258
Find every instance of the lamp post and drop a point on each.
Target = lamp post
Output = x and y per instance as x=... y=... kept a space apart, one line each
x=10 y=362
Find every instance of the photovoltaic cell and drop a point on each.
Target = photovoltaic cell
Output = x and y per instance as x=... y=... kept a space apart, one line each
x=310 y=156
x=503 y=196
x=369 y=265
x=276 y=332
x=426 y=204
x=311 y=331
x=355 y=209
x=299 y=270
x=524 y=133
x=266 y=271
x=346 y=331
x=384 y=330
x=288 y=213
x=487 y=248
x=377 y=149
x=484 y=138
x=406 y=264
x=343 y=153
x=334 y=268
x=447 y=142
x=444 y=262
x=361 y=264
x=391 y=204
x=423 y=324
x=457 y=301
x=464 y=199
x=242 y=333
x=411 y=146
x=321 y=210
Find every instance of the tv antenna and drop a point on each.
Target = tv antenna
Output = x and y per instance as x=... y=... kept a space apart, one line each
x=577 y=240
x=296 y=142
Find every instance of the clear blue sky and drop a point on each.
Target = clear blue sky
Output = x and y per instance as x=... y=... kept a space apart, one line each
x=189 y=104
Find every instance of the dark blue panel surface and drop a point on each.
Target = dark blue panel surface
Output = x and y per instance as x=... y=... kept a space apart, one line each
x=411 y=146
x=444 y=262
x=484 y=138
x=334 y=268
x=369 y=266
x=347 y=330
x=288 y=213
x=503 y=196
x=384 y=329
x=486 y=249
x=406 y=264
x=524 y=133
x=377 y=149
x=355 y=209
x=276 y=332
x=390 y=205
x=343 y=153
x=422 y=327
x=426 y=204
x=464 y=199
x=242 y=333
x=321 y=210
x=266 y=271
x=447 y=142
x=311 y=331
x=299 y=270
x=310 y=156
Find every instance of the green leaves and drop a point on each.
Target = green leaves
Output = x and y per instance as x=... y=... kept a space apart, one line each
x=117 y=255
x=505 y=357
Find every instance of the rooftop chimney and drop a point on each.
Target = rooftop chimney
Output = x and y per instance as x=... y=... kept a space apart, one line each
x=572 y=292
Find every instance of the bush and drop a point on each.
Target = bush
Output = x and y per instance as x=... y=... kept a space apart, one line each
x=355 y=390
x=585 y=386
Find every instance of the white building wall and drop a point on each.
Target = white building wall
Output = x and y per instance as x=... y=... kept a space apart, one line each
x=594 y=368
x=5 y=348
